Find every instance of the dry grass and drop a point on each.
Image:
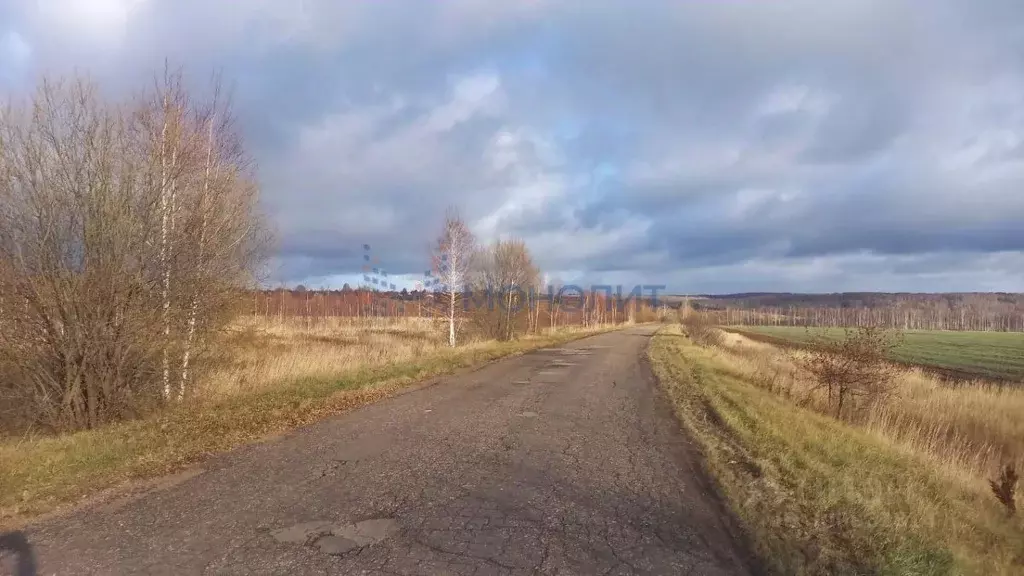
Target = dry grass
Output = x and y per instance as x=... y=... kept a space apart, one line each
x=279 y=375
x=972 y=430
x=266 y=353
x=896 y=488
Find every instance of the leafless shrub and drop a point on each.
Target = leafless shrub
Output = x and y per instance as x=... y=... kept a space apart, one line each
x=504 y=277
x=701 y=329
x=1004 y=487
x=126 y=230
x=667 y=315
x=856 y=367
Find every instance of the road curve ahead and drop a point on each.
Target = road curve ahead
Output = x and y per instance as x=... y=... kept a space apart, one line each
x=562 y=461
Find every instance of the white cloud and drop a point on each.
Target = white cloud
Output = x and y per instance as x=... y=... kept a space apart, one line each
x=794 y=98
x=102 y=21
x=471 y=95
x=15 y=56
x=572 y=243
x=533 y=183
x=14 y=49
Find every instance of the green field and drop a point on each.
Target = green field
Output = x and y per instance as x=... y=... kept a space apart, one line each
x=995 y=355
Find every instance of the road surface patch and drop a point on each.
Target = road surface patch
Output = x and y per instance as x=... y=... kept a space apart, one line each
x=337 y=539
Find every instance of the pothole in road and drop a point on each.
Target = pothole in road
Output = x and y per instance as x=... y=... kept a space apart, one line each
x=577 y=352
x=567 y=351
x=337 y=539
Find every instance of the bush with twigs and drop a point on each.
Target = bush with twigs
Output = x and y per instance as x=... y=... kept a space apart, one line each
x=128 y=231
x=854 y=371
x=700 y=328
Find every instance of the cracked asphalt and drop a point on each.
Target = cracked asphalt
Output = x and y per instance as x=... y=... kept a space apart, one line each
x=561 y=461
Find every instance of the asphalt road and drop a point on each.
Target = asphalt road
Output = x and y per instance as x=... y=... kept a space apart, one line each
x=562 y=461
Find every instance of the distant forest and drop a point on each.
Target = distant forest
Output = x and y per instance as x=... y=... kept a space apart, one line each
x=583 y=308
x=910 y=311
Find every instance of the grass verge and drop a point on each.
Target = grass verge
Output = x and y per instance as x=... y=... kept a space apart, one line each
x=42 y=474
x=821 y=496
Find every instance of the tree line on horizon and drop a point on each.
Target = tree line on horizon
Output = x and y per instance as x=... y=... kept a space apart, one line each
x=489 y=290
x=315 y=305
x=904 y=316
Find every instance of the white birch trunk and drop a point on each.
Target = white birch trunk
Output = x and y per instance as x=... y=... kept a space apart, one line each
x=164 y=265
x=508 y=313
x=451 y=317
x=168 y=207
x=194 y=306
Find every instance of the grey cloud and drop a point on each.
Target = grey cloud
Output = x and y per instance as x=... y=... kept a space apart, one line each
x=859 y=128
x=791 y=145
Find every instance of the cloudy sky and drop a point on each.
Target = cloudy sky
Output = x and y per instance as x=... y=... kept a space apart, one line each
x=710 y=146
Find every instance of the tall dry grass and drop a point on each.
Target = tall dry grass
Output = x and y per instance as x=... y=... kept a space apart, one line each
x=265 y=353
x=872 y=493
x=970 y=430
x=262 y=353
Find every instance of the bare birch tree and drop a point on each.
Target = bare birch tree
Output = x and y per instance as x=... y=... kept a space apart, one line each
x=452 y=260
x=554 y=286
x=510 y=272
x=172 y=149
x=226 y=237
x=127 y=230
